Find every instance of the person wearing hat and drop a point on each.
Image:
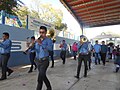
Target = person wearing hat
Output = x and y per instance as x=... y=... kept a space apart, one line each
x=83 y=51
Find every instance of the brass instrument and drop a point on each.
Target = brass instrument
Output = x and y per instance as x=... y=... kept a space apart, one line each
x=84 y=39
x=31 y=45
x=51 y=34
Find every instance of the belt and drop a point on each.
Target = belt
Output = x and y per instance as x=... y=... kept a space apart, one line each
x=5 y=53
x=83 y=53
x=32 y=52
x=43 y=59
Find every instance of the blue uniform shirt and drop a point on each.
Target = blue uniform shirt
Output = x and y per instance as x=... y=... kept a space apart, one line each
x=97 y=48
x=42 y=50
x=5 y=46
x=51 y=48
x=32 y=49
x=64 y=48
x=84 y=48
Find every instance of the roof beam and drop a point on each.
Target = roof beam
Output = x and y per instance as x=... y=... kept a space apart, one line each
x=105 y=24
x=77 y=2
x=95 y=4
x=101 y=21
x=100 y=13
x=117 y=6
x=101 y=18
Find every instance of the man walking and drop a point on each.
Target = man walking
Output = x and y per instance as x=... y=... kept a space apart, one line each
x=42 y=47
x=63 y=47
x=51 y=53
x=5 y=46
x=97 y=49
x=104 y=50
x=83 y=50
x=31 y=50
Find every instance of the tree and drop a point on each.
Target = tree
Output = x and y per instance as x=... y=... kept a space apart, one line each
x=22 y=13
x=62 y=27
x=8 y=5
x=35 y=14
x=49 y=14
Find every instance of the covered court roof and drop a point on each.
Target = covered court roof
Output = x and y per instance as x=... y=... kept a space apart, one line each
x=94 y=13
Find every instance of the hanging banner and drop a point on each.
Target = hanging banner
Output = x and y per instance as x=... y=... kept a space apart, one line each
x=34 y=23
x=11 y=21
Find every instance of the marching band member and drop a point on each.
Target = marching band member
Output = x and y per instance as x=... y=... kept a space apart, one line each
x=51 y=53
x=63 y=47
x=31 y=50
x=42 y=46
x=5 y=46
x=83 y=50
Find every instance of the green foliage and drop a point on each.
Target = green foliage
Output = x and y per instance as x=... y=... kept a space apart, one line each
x=49 y=14
x=62 y=27
x=8 y=6
x=46 y=12
x=22 y=13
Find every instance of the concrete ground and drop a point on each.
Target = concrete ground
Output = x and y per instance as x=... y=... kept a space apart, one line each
x=62 y=78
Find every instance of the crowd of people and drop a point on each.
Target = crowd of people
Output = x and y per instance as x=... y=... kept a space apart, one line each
x=41 y=49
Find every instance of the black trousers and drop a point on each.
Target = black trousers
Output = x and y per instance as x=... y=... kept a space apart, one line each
x=74 y=54
x=3 y=64
x=83 y=58
x=110 y=55
x=42 y=68
x=103 y=58
x=51 y=54
x=63 y=56
x=32 y=60
x=89 y=60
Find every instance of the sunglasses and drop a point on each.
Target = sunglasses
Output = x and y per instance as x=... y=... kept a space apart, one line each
x=42 y=32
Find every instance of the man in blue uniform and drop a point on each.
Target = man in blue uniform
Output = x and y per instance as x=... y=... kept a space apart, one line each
x=31 y=50
x=83 y=50
x=51 y=53
x=63 y=47
x=5 y=48
x=43 y=45
x=97 y=50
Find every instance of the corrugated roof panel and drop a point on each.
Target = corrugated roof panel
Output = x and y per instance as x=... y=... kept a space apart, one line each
x=95 y=12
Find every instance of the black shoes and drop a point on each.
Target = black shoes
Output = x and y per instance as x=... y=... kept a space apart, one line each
x=63 y=62
x=76 y=77
x=10 y=72
x=52 y=66
x=29 y=71
x=85 y=76
x=117 y=69
x=35 y=68
x=2 y=78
